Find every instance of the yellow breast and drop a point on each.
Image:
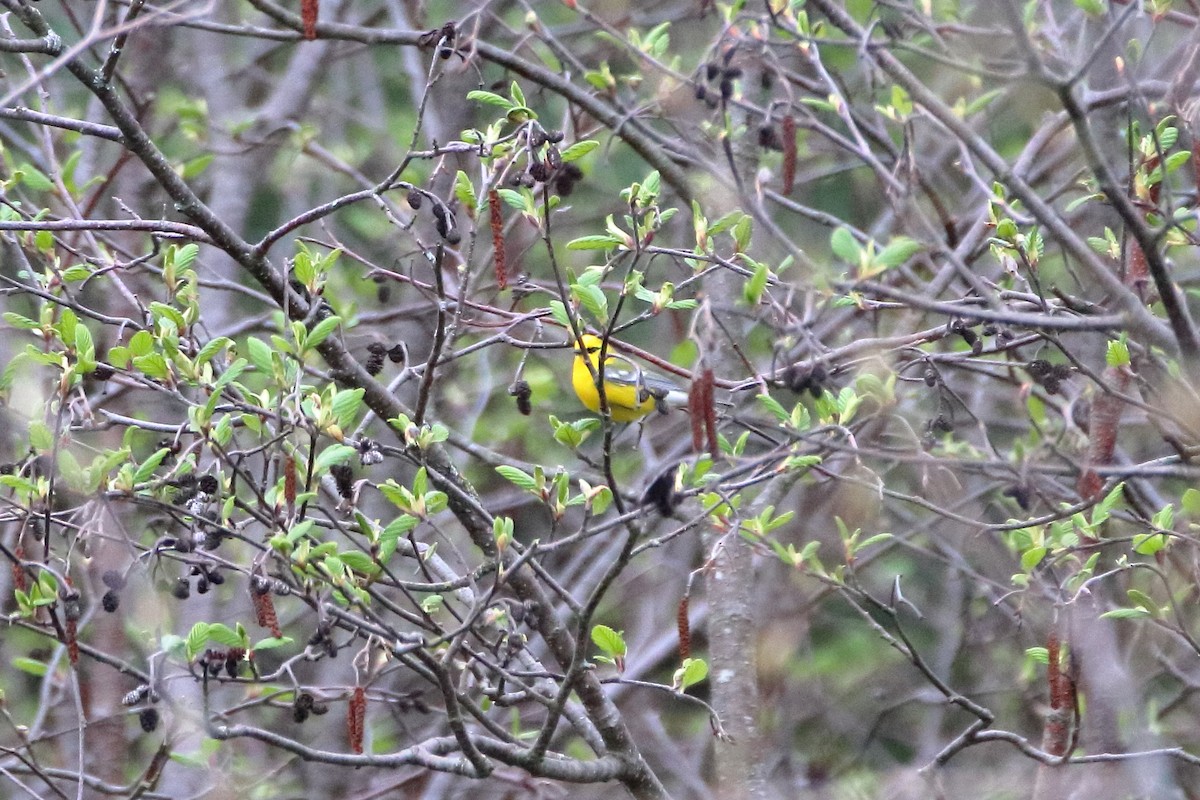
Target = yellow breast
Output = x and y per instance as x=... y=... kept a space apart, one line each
x=623 y=403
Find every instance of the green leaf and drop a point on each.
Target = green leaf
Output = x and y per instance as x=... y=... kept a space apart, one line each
x=559 y=312
x=299 y=530
x=515 y=199
x=164 y=311
x=742 y=231
x=23 y=323
x=845 y=247
x=898 y=251
x=185 y=256
x=147 y=467
x=195 y=166
x=230 y=374
x=1142 y=600
x=573 y=434
x=1125 y=613
x=1032 y=557
x=1148 y=544
x=400 y=526
x=66 y=326
x=692 y=672
x=359 y=562
x=1103 y=509
x=31 y=666
x=870 y=540
x=271 y=643
x=85 y=349
x=1191 y=502
x=753 y=290
x=597 y=242
x=260 y=354
x=334 y=454
x=210 y=350
x=34 y=178
x=152 y=366
x=76 y=273
x=983 y=101
x=196 y=639
x=1117 y=353
x=1177 y=160
x=772 y=405
x=579 y=150
x=518 y=477
x=593 y=299
x=1164 y=518
x=514 y=91
x=224 y=635
x=141 y=344
x=41 y=439
x=320 y=332
x=489 y=98
x=465 y=192
x=346 y=406
x=609 y=641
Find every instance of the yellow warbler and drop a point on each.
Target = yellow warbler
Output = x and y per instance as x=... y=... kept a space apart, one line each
x=630 y=391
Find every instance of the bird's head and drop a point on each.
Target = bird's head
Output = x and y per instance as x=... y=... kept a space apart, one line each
x=588 y=344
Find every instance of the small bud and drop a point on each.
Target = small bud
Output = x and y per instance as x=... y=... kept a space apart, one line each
x=343 y=479
x=135 y=696
x=148 y=719
x=523 y=394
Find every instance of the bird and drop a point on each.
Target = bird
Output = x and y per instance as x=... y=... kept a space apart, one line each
x=631 y=393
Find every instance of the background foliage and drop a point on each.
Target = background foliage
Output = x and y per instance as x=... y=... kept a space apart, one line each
x=297 y=500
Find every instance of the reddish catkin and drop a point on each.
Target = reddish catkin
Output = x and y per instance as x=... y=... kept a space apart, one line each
x=789 y=153
x=72 y=643
x=1137 y=273
x=696 y=413
x=264 y=612
x=1103 y=421
x=308 y=15
x=685 y=630
x=497 y=222
x=18 y=572
x=289 y=484
x=1060 y=701
x=1155 y=191
x=356 y=716
x=710 y=414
